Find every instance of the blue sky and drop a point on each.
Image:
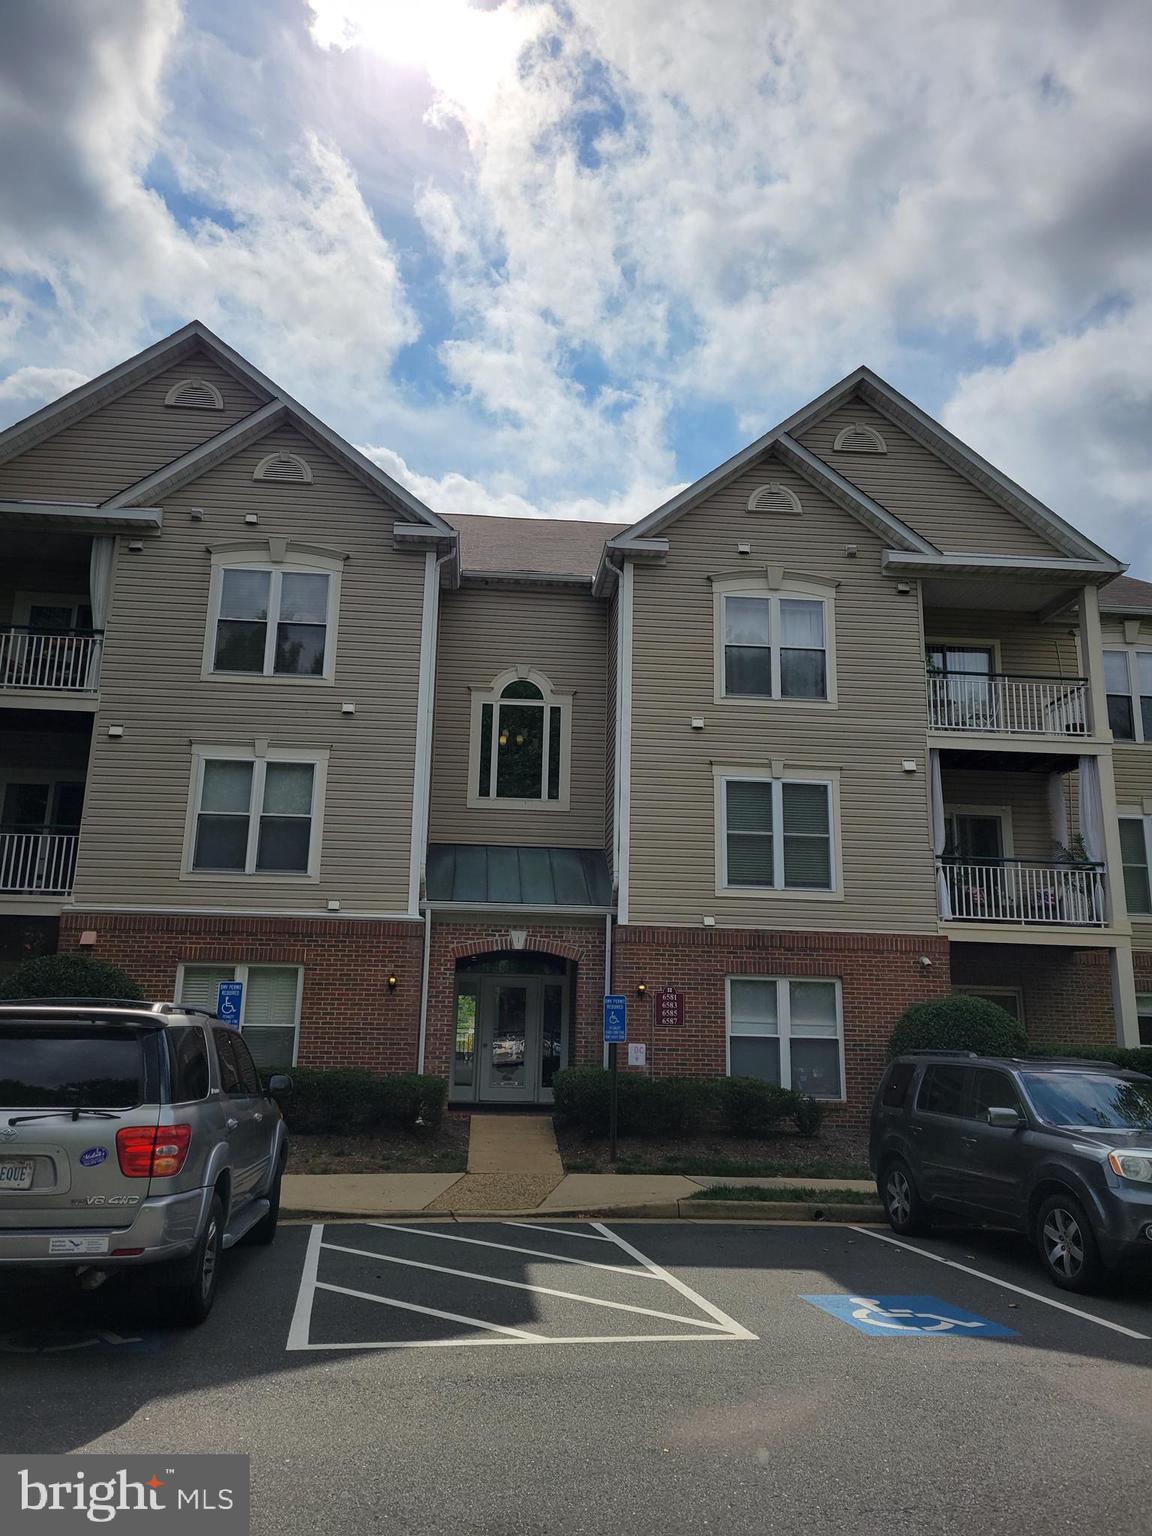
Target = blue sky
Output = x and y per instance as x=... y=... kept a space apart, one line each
x=563 y=256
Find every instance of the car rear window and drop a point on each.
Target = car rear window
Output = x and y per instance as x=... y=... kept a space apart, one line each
x=896 y=1088
x=56 y=1066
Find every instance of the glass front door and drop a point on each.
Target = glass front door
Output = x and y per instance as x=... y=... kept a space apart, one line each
x=508 y=1027
x=511 y=1038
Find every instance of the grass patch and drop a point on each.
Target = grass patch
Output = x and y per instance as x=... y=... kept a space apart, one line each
x=788 y=1193
x=442 y=1151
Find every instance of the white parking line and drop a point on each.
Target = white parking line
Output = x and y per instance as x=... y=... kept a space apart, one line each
x=1049 y=1301
x=539 y=1253
x=411 y=1306
x=722 y=1318
x=546 y=1226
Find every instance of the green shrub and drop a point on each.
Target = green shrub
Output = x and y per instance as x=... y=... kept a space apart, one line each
x=662 y=1106
x=410 y=1101
x=340 y=1102
x=1136 y=1058
x=749 y=1107
x=809 y=1114
x=68 y=976
x=959 y=1023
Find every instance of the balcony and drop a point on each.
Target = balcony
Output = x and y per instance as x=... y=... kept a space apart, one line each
x=60 y=661
x=1003 y=704
x=1026 y=893
x=37 y=863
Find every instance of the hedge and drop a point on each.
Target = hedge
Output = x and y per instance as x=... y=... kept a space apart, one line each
x=959 y=1023
x=68 y=976
x=1137 y=1058
x=350 y=1101
x=675 y=1106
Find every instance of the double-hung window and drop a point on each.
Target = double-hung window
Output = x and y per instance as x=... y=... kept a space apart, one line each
x=787 y=1032
x=269 y=1005
x=777 y=834
x=256 y=815
x=1136 y=859
x=1128 y=683
x=775 y=646
x=272 y=612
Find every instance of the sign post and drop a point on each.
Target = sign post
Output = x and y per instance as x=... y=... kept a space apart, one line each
x=615 y=1035
x=229 y=999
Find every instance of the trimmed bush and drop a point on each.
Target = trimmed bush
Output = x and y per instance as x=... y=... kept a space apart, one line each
x=663 y=1106
x=68 y=976
x=959 y=1023
x=809 y=1114
x=1136 y=1058
x=349 y=1102
x=749 y=1107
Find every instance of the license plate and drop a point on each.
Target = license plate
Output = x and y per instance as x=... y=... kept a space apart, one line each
x=16 y=1172
x=77 y=1245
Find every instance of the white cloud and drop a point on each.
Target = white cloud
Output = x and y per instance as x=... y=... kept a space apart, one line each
x=39 y=385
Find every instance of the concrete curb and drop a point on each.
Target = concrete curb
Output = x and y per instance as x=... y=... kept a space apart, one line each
x=684 y=1210
x=779 y=1210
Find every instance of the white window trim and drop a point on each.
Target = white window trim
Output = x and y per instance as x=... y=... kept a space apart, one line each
x=258 y=756
x=1002 y=813
x=965 y=645
x=784 y=1026
x=240 y=973
x=295 y=563
x=1131 y=652
x=1017 y=993
x=491 y=695
x=773 y=584
x=786 y=775
x=1145 y=820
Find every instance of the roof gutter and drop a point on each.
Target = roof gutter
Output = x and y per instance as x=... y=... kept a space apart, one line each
x=898 y=562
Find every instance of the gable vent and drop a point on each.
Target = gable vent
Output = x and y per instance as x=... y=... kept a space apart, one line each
x=195 y=395
x=284 y=467
x=859 y=438
x=775 y=498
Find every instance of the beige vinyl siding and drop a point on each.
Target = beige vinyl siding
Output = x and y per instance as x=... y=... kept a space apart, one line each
x=924 y=491
x=1112 y=632
x=122 y=442
x=1132 y=766
x=483 y=632
x=610 y=731
x=1026 y=647
x=1024 y=795
x=138 y=789
x=880 y=721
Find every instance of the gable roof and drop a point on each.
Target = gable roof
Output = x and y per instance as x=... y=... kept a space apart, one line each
x=865 y=384
x=548 y=546
x=1126 y=595
x=277 y=406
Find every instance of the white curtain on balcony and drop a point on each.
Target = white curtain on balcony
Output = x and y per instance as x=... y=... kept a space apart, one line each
x=99 y=586
x=1058 y=810
x=1092 y=825
x=939 y=830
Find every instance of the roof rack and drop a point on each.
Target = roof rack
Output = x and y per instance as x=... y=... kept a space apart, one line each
x=964 y=1055
x=136 y=1004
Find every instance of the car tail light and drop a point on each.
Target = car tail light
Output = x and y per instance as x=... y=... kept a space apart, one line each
x=152 y=1151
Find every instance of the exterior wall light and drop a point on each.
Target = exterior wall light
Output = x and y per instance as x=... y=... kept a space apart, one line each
x=641 y=990
x=392 y=983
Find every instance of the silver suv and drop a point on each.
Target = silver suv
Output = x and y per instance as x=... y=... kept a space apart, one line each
x=134 y=1134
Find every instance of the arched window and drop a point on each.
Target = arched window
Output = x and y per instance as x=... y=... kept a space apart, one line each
x=858 y=437
x=195 y=395
x=521 y=734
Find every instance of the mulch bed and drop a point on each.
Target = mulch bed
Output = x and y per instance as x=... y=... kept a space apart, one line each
x=444 y=1151
x=836 y=1153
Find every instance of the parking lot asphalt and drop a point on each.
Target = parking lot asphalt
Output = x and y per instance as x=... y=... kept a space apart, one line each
x=604 y=1377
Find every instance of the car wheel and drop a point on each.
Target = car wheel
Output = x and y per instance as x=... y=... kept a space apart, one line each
x=903 y=1205
x=1068 y=1245
x=190 y=1287
x=264 y=1232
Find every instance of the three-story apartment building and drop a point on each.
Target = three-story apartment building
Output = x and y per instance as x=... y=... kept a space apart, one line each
x=851 y=722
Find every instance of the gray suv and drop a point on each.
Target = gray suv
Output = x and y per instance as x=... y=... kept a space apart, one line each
x=131 y=1135
x=1056 y=1148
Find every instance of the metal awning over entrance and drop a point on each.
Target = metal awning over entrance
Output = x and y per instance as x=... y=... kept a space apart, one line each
x=479 y=873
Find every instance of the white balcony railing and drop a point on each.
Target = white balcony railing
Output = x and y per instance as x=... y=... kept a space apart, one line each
x=58 y=660
x=1004 y=705
x=37 y=863
x=1025 y=892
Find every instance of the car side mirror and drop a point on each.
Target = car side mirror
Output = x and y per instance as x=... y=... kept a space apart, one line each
x=1007 y=1119
x=279 y=1084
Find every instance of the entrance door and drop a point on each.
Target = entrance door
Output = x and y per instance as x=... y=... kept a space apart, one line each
x=509 y=1039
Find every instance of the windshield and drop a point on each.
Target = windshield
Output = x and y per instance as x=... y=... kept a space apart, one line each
x=45 y=1066
x=1092 y=1101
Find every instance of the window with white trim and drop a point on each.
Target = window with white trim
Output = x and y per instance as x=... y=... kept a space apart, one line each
x=777 y=834
x=271 y=620
x=774 y=647
x=1144 y=1016
x=269 y=1006
x=787 y=1032
x=521 y=743
x=256 y=815
x=1136 y=859
x=1128 y=684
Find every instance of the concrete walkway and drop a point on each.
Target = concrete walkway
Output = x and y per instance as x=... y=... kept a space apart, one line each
x=513 y=1165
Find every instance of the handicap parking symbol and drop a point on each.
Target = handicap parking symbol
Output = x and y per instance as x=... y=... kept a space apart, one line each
x=909 y=1317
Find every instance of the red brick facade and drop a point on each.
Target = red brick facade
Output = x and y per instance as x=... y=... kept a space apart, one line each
x=1067 y=993
x=880 y=975
x=349 y=1015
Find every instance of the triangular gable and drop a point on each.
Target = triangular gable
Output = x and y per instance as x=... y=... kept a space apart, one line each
x=1064 y=540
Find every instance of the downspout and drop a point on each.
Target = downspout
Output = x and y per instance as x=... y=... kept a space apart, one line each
x=424 y=974
x=424 y=755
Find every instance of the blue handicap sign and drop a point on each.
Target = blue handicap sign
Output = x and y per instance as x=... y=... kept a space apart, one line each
x=921 y=1317
x=229 y=996
x=615 y=1019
